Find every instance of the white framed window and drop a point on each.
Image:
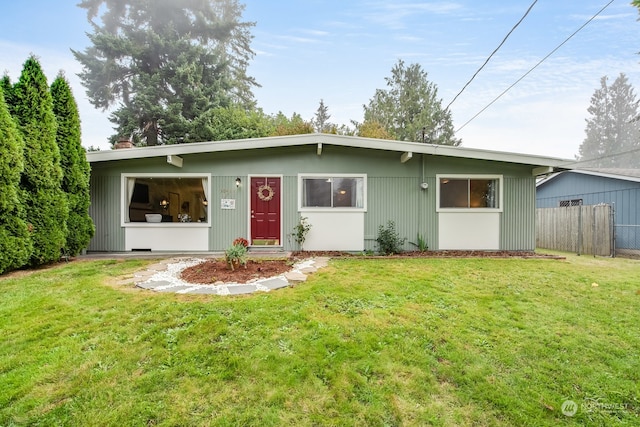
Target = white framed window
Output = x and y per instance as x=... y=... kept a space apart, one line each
x=347 y=192
x=477 y=193
x=170 y=199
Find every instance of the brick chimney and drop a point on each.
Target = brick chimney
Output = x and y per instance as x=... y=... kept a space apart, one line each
x=123 y=142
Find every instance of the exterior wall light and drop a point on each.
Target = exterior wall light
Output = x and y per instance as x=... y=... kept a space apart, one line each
x=238 y=182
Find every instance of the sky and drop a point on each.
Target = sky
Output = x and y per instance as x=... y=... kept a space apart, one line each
x=341 y=51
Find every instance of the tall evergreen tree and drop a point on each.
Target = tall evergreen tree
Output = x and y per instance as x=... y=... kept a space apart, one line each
x=75 y=168
x=7 y=88
x=410 y=108
x=613 y=130
x=45 y=203
x=321 y=119
x=15 y=242
x=165 y=62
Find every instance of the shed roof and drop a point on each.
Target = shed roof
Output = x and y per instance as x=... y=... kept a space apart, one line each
x=319 y=139
x=632 y=175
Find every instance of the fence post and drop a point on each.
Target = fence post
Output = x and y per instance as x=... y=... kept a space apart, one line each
x=579 y=230
x=612 y=221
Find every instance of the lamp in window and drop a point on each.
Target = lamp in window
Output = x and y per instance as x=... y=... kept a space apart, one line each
x=164 y=204
x=343 y=192
x=238 y=182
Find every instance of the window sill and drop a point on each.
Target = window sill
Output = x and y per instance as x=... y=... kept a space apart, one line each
x=329 y=210
x=469 y=210
x=166 y=224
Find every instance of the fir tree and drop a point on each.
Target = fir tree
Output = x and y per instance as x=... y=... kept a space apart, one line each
x=321 y=119
x=40 y=183
x=613 y=131
x=410 y=108
x=164 y=63
x=75 y=168
x=15 y=242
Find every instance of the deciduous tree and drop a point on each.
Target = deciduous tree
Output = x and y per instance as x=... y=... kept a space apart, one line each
x=410 y=108
x=295 y=125
x=162 y=63
x=224 y=123
x=75 y=168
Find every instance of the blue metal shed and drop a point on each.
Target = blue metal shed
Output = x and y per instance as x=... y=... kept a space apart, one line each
x=617 y=187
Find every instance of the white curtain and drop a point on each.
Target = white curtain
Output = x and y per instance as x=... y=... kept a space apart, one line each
x=360 y=192
x=131 y=184
x=205 y=209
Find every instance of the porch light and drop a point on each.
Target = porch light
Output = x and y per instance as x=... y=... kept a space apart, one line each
x=238 y=182
x=205 y=202
x=164 y=203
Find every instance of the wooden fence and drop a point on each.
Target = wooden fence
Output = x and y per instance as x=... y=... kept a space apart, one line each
x=580 y=229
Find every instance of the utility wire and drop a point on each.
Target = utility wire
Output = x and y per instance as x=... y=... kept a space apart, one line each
x=536 y=66
x=492 y=53
x=606 y=156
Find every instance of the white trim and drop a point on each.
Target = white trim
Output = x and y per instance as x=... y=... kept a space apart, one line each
x=302 y=176
x=267 y=175
x=470 y=176
x=124 y=199
x=610 y=175
x=325 y=139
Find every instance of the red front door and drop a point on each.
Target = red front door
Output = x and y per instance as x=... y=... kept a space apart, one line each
x=265 y=211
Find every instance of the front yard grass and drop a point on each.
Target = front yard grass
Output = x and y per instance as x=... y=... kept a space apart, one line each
x=363 y=342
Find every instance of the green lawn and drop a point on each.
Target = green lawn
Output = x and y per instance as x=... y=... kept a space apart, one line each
x=363 y=342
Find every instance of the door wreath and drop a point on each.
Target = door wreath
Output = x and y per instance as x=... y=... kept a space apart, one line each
x=269 y=193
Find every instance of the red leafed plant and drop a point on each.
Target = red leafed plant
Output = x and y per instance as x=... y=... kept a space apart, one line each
x=241 y=241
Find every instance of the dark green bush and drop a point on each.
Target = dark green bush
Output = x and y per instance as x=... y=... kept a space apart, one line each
x=15 y=242
x=44 y=202
x=75 y=168
x=388 y=240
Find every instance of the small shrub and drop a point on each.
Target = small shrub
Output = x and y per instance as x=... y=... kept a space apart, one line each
x=300 y=231
x=420 y=243
x=236 y=255
x=388 y=240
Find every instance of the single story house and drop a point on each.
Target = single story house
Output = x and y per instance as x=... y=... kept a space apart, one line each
x=202 y=196
x=619 y=188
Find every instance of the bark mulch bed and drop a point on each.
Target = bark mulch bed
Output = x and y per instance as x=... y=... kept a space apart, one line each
x=217 y=271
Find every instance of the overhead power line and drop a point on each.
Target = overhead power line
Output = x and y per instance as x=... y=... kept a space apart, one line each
x=492 y=53
x=536 y=66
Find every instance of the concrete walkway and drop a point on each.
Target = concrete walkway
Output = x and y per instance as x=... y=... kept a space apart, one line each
x=164 y=276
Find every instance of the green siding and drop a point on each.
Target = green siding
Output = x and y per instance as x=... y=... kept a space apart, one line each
x=517 y=231
x=403 y=201
x=105 y=212
x=393 y=191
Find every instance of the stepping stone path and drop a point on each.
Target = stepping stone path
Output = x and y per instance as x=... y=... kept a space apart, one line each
x=165 y=277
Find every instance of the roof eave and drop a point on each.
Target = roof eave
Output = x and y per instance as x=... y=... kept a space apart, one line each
x=326 y=139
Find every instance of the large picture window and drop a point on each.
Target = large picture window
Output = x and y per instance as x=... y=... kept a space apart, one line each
x=165 y=198
x=332 y=191
x=469 y=192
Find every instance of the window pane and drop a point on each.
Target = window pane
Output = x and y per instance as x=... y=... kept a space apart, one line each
x=175 y=199
x=483 y=193
x=316 y=192
x=454 y=193
x=347 y=192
